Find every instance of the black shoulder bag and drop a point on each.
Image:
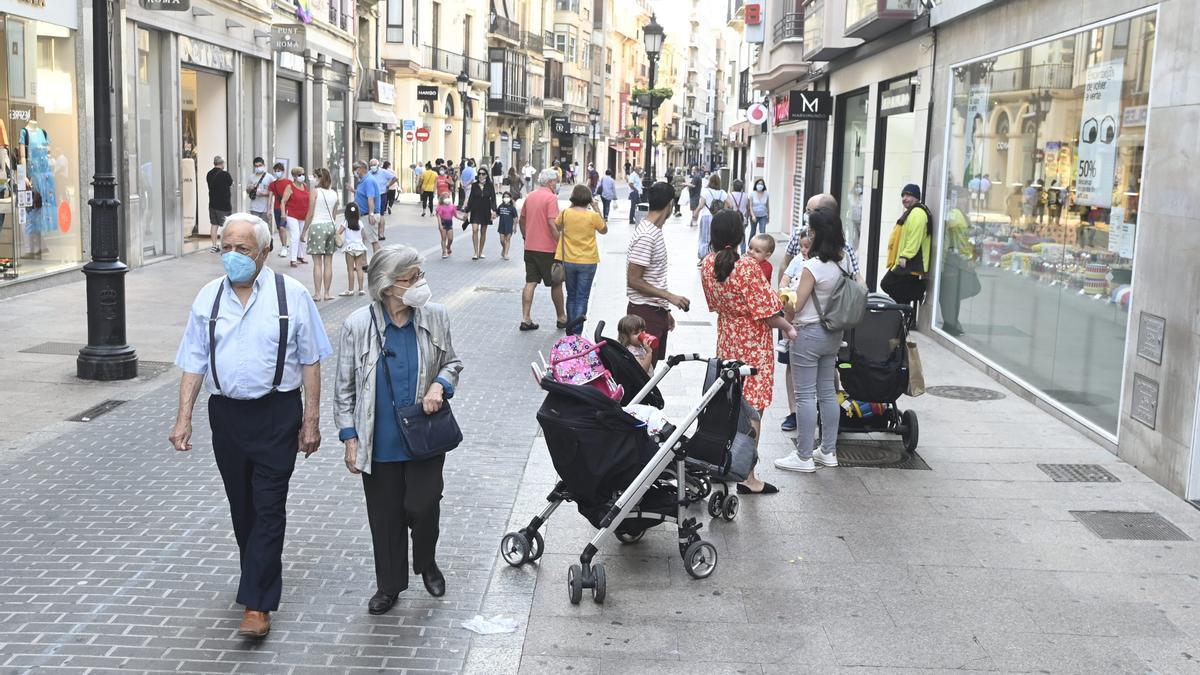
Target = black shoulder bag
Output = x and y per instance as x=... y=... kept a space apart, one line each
x=427 y=435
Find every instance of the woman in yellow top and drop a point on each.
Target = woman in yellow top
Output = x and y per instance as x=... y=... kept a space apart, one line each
x=578 y=251
x=428 y=186
x=908 y=250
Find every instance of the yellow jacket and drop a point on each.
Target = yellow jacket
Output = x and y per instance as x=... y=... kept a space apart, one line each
x=911 y=240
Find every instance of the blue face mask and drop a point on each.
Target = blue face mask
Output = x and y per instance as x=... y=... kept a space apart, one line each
x=239 y=267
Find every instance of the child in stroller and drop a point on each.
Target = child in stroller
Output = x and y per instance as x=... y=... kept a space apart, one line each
x=624 y=480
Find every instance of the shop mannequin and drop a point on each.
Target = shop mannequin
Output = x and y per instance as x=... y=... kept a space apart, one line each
x=34 y=154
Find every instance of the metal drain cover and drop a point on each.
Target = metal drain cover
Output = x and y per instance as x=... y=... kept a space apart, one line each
x=1078 y=473
x=1136 y=525
x=96 y=411
x=964 y=393
x=878 y=455
x=494 y=289
x=55 y=348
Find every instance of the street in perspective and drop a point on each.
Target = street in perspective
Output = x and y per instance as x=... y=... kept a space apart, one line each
x=599 y=337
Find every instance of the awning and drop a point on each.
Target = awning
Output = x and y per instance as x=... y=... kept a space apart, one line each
x=370 y=112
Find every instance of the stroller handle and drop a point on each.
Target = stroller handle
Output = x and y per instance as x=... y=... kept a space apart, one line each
x=732 y=367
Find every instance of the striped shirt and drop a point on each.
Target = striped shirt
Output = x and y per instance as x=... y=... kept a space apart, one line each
x=648 y=250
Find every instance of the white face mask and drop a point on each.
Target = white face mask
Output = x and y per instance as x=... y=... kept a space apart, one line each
x=300 y=178
x=416 y=296
x=760 y=187
x=260 y=169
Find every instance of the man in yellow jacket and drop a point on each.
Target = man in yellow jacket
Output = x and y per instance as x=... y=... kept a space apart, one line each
x=908 y=250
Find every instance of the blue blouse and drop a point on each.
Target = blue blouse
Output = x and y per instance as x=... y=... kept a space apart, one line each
x=401 y=342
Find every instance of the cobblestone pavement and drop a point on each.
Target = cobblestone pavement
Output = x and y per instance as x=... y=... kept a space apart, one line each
x=116 y=553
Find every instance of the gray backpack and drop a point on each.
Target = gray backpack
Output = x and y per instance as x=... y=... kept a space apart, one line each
x=847 y=304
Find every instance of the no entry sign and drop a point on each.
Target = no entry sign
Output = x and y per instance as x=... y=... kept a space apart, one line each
x=422 y=135
x=635 y=144
x=409 y=136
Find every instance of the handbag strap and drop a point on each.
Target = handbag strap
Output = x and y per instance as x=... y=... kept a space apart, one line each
x=816 y=302
x=383 y=356
x=560 y=254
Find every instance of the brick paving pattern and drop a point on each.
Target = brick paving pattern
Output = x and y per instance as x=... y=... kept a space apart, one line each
x=116 y=553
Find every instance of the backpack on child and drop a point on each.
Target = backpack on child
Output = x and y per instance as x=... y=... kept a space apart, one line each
x=576 y=360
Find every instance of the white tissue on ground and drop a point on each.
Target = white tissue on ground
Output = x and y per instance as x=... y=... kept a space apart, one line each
x=493 y=626
x=652 y=417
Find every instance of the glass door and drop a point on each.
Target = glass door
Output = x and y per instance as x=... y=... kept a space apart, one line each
x=148 y=189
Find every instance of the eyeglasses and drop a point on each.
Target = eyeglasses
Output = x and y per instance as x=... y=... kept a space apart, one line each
x=408 y=283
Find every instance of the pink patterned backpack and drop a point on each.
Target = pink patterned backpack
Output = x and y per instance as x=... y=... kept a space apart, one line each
x=576 y=360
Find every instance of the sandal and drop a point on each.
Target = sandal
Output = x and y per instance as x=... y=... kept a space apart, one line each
x=346 y=294
x=528 y=325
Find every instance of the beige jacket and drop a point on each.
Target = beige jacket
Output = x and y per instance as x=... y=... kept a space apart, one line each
x=358 y=358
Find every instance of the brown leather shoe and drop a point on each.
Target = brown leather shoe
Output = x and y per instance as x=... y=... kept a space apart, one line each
x=255 y=624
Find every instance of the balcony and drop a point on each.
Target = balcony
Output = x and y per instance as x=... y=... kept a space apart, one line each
x=453 y=64
x=505 y=28
x=533 y=42
x=508 y=104
x=868 y=19
x=789 y=27
x=823 y=31
x=378 y=86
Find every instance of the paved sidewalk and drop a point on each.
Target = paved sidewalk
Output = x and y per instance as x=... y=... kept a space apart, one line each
x=976 y=564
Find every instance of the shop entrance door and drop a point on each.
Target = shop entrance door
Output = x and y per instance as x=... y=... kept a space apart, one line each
x=850 y=167
x=205 y=134
x=894 y=167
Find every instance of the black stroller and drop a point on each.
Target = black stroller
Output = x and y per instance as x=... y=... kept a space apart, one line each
x=873 y=369
x=625 y=481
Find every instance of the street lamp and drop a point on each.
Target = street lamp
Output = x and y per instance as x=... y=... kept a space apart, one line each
x=594 y=116
x=464 y=84
x=653 y=36
x=106 y=356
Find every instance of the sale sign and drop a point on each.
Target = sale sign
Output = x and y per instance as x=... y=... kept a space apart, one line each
x=1098 y=133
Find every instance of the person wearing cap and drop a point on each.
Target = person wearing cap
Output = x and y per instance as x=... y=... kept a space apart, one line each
x=220 y=200
x=908 y=249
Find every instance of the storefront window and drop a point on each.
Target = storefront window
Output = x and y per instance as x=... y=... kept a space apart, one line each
x=40 y=229
x=855 y=145
x=1043 y=180
x=335 y=132
x=148 y=190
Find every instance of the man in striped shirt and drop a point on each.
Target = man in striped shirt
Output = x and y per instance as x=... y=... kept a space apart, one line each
x=646 y=274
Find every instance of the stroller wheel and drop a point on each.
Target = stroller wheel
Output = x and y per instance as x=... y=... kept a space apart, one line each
x=911 y=434
x=729 y=507
x=514 y=547
x=705 y=487
x=700 y=559
x=537 y=546
x=599 y=582
x=630 y=537
x=575 y=584
x=716 y=503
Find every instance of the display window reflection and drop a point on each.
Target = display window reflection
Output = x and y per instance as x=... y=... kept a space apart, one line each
x=1043 y=177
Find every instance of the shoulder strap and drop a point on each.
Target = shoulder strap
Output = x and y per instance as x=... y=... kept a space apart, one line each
x=212 y=335
x=281 y=295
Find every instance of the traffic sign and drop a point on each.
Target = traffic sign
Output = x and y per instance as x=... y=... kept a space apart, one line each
x=422 y=135
x=757 y=113
x=409 y=125
x=635 y=144
x=409 y=136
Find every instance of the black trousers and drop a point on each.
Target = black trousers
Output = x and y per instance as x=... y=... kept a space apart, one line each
x=403 y=496
x=427 y=200
x=255 y=444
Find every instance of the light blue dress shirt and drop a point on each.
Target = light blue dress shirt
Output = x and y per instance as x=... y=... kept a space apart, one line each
x=248 y=338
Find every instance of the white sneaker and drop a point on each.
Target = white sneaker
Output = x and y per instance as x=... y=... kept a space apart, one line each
x=283 y=252
x=792 y=462
x=823 y=458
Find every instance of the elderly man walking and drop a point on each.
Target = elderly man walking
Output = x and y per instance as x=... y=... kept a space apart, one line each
x=253 y=341
x=541 y=242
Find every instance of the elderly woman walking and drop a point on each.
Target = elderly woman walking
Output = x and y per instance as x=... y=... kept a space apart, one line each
x=395 y=352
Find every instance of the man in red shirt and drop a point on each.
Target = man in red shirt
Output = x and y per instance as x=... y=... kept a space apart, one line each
x=541 y=241
x=277 y=188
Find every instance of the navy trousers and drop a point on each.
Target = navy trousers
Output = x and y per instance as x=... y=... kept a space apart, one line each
x=255 y=444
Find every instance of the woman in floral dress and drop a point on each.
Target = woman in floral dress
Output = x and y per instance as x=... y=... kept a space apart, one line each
x=747 y=309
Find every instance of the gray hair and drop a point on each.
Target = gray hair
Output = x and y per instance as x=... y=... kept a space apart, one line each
x=823 y=200
x=547 y=176
x=387 y=265
x=374 y=161
x=262 y=231
x=359 y=164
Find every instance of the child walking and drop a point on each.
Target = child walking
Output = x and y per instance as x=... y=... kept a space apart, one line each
x=507 y=213
x=356 y=252
x=445 y=213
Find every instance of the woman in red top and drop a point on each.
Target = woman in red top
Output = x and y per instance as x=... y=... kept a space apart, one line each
x=747 y=309
x=444 y=182
x=295 y=208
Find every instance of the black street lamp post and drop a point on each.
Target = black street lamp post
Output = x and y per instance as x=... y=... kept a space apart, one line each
x=464 y=85
x=106 y=356
x=594 y=117
x=653 y=35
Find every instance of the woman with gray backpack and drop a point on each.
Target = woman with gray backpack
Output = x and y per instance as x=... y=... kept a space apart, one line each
x=713 y=200
x=828 y=300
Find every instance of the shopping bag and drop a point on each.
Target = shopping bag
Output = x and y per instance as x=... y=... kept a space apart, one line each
x=916 y=377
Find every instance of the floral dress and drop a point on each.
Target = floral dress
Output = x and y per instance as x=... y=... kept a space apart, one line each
x=743 y=302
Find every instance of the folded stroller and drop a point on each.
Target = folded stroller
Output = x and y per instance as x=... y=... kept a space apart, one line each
x=873 y=369
x=624 y=480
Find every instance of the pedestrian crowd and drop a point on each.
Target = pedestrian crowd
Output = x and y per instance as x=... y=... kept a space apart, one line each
x=254 y=340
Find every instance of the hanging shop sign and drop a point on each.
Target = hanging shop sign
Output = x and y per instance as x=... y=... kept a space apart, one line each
x=1098 y=133
x=205 y=54
x=517 y=144
x=757 y=113
x=289 y=38
x=370 y=135
x=560 y=126
x=897 y=99
x=427 y=92
x=809 y=105
x=781 y=107
x=752 y=14
x=166 y=5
